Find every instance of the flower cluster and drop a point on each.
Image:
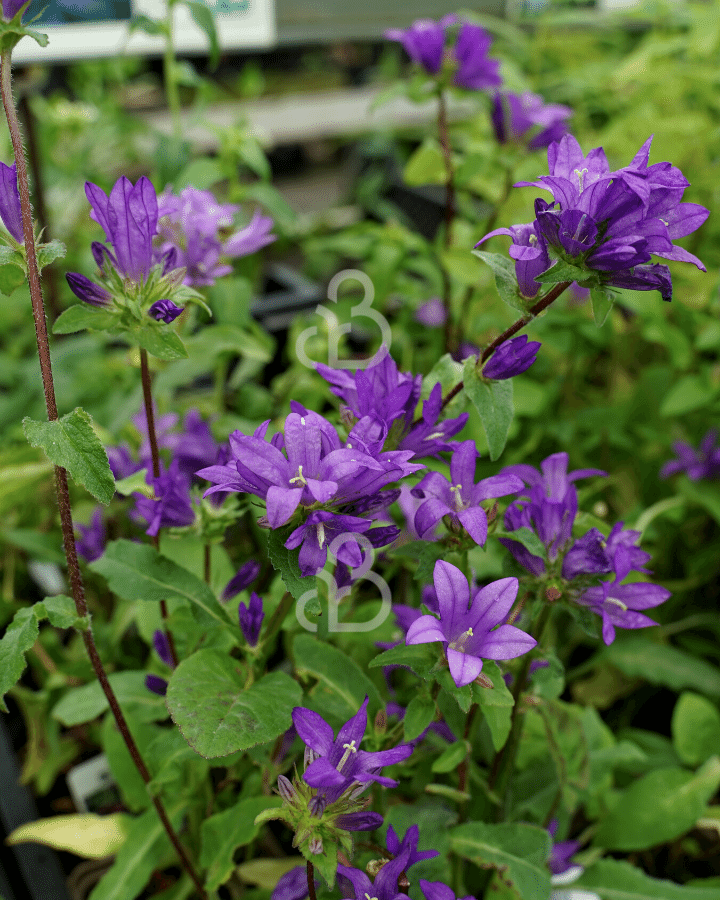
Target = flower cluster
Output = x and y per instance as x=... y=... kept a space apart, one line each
x=467 y=59
x=700 y=463
x=609 y=224
x=331 y=486
x=526 y=118
x=549 y=507
x=200 y=230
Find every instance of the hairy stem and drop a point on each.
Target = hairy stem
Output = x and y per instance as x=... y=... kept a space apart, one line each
x=61 y=482
x=311 y=880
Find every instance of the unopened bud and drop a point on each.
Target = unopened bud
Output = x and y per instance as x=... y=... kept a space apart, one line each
x=484 y=681
x=403 y=883
x=492 y=512
x=552 y=593
x=316 y=846
x=380 y=721
x=309 y=756
x=285 y=789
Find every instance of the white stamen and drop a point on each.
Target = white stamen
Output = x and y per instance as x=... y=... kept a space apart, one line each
x=299 y=477
x=456 y=489
x=616 y=602
x=581 y=173
x=321 y=534
x=459 y=643
x=349 y=750
x=302 y=420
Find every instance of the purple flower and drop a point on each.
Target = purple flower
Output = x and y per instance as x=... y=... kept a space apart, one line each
x=432 y=313
x=424 y=42
x=460 y=498
x=129 y=218
x=476 y=71
x=511 y=358
x=319 y=531
x=525 y=117
x=91 y=543
x=10 y=211
x=293 y=885
x=530 y=253
x=338 y=762
x=385 y=885
x=244 y=577
x=10 y=9
x=157 y=684
x=165 y=311
x=162 y=647
x=467 y=627
x=437 y=890
x=562 y=851
x=251 y=618
x=198 y=228
x=698 y=464
x=87 y=290
x=171 y=506
x=409 y=843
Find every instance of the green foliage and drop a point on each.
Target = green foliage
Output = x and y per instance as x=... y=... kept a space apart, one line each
x=493 y=401
x=72 y=443
x=695 y=728
x=615 y=879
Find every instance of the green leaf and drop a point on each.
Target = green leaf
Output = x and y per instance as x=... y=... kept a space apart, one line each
x=505 y=279
x=71 y=442
x=662 y=664
x=420 y=658
x=689 y=393
x=426 y=165
x=62 y=613
x=496 y=704
x=602 y=302
x=217 y=715
x=137 y=571
x=341 y=683
x=286 y=563
x=48 y=253
x=223 y=833
x=135 y=484
x=82 y=316
x=205 y=20
x=695 y=728
x=161 y=342
x=530 y=541
x=518 y=852
x=419 y=714
x=451 y=757
x=85 y=703
x=19 y=637
x=614 y=879
x=148 y=25
x=563 y=271
x=146 y=842
x=84 y=834
x=493 y=401
x=11 y=277
x=659 y=807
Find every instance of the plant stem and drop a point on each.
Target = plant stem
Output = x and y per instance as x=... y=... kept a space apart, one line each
x=532 y=313
x=311 y=880
x=155 y=454
x=504 y=762
x=207 y=559
x=444 y=136
x=61 y=482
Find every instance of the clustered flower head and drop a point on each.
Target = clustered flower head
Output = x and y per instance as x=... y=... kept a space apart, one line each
x=609 y=224
x=200 y=230
x=526 y=118
x=470 y=627
x=549 y=507
x=467 y=59
x=309 y=474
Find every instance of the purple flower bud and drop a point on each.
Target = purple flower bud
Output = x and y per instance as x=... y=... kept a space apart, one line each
x=423 y=41
x=511 y=358
x=165 y=311
x=10 y=212
x=88 y=291
x=10 y=9
x=91 y=543
x=251 y=618
x=243 y=579
x=286 y=789
x=162 y=647
x=156 y=684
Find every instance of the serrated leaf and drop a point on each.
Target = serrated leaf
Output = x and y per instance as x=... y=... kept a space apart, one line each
x=85 y=834
x=342 y=684
x=518 y=852
x=48 y=253
x=137 y=571
x=420 y=658
x=82 y=316
x=223 y=833
x=505 y=279
x=493 y=401
x=614 y=879
x=71 y=442
x=85 y=703
x=530 y=541
x=286 y=563
x=62 y=612
x=205 y=20
x=162 y=343
x=659 y=807
x=217 y=715
x=563 y=271
x=11 y=277
x=19 y=637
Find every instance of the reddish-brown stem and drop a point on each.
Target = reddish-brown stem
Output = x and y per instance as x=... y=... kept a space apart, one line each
x=61 y=482
x=532 y=313
x=146 y=379
x=208 y=563
x=444 y=136
x=311 y=880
